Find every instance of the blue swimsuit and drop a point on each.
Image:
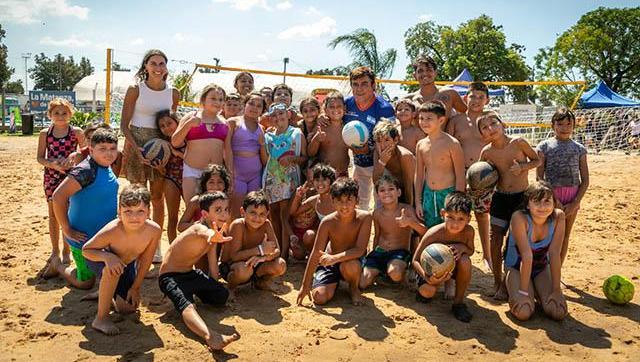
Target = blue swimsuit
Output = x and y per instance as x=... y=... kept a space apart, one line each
x=540 y=249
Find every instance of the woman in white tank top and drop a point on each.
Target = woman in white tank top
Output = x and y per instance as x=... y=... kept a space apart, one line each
x=142 y=102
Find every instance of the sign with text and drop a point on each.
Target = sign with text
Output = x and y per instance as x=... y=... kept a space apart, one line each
x=39 y=100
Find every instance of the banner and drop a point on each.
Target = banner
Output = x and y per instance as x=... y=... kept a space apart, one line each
x=39 y=100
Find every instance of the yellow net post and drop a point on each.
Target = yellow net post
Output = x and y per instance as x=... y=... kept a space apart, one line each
x=107 y=91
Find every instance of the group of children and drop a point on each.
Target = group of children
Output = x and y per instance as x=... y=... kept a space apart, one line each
x=263 y=184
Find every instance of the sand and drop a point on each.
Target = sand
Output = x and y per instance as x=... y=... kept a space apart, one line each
x=45 y=320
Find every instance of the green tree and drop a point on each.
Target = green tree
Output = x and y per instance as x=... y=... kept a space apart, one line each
x=5 y=70
x=550 y=65
x=15 y=87
x=478 y=45
x=58 y=73
x=603 y=44
x=363 y=47
x=182 y=82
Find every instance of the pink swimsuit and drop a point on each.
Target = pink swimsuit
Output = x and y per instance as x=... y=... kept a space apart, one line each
x=220 y=131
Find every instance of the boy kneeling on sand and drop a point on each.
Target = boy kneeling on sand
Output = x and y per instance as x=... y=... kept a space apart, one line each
x=121 y=254
x=180 y=281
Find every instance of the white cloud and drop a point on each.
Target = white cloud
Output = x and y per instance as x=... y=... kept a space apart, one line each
x=137 y=41
x=324 y=26
x=73 y=42
x=187 y=38
x=425 y=17
x=312 y=10
x=245 y=5
x=284 y=5
x=32 y=11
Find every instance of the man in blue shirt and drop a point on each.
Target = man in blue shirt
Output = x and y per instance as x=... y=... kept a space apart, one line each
x=367 y=107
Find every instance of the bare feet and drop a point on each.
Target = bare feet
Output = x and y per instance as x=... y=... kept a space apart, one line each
x=90 y=296
x=356 y=296
x=50 y=269
x=217 y=342
x=105 y=326
x=500 y=293
x=449 y=289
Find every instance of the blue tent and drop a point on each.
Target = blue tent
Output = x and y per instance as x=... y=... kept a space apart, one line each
x=602 y=96
x=465 y=76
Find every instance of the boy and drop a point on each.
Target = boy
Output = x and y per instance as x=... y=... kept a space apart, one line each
x=456 y=233
x=253 y=254
x=120 y=254
x=393 y=159
x=180 y=281
x=440 y=157
x=346 y=232
x=233 y=105
x=425 y=71
x=327 y=141
x=393 y=223
x=464 y=128
x=513 y=158
x=410 y=133
x=84 y=202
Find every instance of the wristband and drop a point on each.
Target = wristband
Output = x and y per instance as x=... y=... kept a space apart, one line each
x=522 y=292
x=260 y=250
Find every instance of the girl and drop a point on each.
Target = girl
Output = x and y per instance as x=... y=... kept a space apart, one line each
x=564 y=166
x=214 y=178
x=247 y=139
x=532 y=259
x=55 y=146
x=142 y=101
x=310 y=109
x=286 y=150
x=207 y=137
x=306 y=214
x=167 y=124
x=410 y=133
x=243 y=83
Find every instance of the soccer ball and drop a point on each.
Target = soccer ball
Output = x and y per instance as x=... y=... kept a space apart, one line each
x=482 y=176
x=437 y=259
x=355 y=134
x=157 y=150
x=618 y=289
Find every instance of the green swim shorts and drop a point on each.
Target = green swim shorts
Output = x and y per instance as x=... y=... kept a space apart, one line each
x=432 y=203
x=83 y=273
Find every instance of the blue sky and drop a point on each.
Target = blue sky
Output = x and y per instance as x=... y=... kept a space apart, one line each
x=258 y=33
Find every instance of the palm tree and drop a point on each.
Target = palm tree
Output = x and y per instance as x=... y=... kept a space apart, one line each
x=363 y=47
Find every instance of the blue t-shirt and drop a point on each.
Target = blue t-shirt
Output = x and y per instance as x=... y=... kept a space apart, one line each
x=562 y=161
x=370 y=117
x=96 y=204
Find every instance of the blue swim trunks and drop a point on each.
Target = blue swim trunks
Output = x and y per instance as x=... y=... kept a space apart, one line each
x=380 y=258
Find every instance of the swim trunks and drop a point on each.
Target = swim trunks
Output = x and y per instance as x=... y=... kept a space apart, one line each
x=432 y=203
x=180 y=288
x=503 y=205
x=380 y=258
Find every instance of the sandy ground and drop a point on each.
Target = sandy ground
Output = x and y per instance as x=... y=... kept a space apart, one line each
x=45 y=320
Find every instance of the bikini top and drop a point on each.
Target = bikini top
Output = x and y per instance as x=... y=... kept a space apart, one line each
x=201 y=132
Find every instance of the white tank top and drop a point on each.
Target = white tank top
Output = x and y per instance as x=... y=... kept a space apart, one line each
x=149 y=103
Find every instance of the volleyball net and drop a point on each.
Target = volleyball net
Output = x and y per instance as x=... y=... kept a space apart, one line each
x=598 y=129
